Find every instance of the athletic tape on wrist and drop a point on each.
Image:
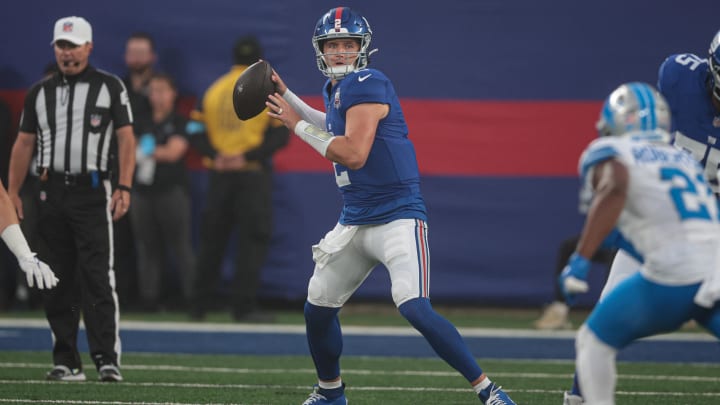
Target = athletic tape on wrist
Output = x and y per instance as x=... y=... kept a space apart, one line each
x=314 y=136
x=16 y=242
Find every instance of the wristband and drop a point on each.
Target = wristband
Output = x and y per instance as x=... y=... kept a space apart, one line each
x=314 y=136
x=16 y=242
x=123 y=187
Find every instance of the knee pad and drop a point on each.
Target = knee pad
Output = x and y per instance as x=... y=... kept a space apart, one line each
x=315 y=291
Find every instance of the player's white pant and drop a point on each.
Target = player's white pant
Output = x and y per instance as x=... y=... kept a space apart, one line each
x=623 y=266
x=595 y=364
x=348 y=253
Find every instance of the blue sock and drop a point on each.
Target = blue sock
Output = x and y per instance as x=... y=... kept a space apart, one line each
x=442 y=336
x=324 y=340
x=575 y=387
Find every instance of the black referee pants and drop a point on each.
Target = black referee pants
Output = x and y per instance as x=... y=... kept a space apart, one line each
x=75 y=230
x=240 y=201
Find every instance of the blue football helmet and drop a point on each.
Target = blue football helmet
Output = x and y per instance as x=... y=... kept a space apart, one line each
x=634 y=107
x=714 y=64
x=341 y=22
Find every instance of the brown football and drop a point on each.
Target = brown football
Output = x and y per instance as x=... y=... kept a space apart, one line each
x=252 y=89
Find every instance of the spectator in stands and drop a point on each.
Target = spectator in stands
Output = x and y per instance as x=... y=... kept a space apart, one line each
x=140 y=58
x=239 y=193
x=555 y=315
x=161 y=201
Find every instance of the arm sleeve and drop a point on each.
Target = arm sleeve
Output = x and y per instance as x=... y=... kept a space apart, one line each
x=309 y=114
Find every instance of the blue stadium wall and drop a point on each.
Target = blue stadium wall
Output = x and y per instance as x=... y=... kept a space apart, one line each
x=501 y=97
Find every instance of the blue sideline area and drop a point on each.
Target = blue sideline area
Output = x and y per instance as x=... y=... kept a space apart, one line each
x=514 y=345
x=493 y=240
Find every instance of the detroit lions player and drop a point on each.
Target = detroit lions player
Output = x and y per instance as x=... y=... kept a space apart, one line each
x=691 y=86
x=659 y=199
x=383 y=220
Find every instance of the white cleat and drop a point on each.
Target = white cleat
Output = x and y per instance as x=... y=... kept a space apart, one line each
x=570 y=399
x=554 y=317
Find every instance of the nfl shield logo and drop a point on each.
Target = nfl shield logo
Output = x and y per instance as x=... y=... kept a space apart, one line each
x=95 y=120
x=337 y=99
x=716 y=122
x=67 y=27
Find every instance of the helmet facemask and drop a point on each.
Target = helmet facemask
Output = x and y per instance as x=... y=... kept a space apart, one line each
x=715 y=76
x=714 y=65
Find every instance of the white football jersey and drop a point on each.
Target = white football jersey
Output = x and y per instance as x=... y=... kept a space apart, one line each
x=671 y=214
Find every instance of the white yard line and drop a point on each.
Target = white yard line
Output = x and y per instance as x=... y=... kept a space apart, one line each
x=351 y=371
x=347 y=330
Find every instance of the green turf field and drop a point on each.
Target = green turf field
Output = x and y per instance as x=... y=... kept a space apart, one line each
x=234 y=379
x=230 y=379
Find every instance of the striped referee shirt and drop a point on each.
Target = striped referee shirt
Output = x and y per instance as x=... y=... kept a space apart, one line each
x=74 y=118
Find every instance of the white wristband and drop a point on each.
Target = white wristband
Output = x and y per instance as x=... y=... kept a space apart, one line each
x=314 y=136
x=16 y=242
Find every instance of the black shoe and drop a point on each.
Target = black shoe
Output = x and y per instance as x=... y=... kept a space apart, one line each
x=109 y=373
x=254 y=317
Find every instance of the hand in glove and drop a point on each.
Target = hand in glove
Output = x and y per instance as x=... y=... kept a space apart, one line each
x=37 y=271
x=573 y=279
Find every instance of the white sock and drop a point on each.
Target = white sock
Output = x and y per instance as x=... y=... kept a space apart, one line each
x=330 y=385
x=595 y=365
x=482 y=385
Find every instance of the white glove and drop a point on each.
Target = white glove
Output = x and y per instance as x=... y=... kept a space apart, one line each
x=35 y=270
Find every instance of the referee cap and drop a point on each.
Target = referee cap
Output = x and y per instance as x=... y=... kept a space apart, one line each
x=73 y=29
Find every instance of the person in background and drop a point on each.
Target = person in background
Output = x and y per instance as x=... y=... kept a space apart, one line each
x=161 y=201
x=77 y=203
x=555 y=315
x=140 y=59
x=239 y=195
x=384 y=219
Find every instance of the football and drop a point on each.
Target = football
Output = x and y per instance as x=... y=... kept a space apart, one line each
x=252 y=89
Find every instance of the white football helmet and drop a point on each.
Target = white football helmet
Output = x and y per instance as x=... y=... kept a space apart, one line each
x=634 y=107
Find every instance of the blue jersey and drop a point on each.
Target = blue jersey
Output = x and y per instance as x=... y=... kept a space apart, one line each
x=683 y=80
x=387 y=187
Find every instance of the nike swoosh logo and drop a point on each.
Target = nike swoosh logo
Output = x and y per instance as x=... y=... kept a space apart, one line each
x=362 y=78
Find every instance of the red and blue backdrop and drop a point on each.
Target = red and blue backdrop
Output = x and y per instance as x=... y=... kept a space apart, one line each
x=500 y=97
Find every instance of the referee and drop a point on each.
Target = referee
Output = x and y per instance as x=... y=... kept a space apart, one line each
x=70 y=117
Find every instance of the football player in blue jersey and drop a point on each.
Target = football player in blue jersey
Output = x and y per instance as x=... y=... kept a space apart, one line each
x=691 y=86
x=659 y=199
x=383 y=220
